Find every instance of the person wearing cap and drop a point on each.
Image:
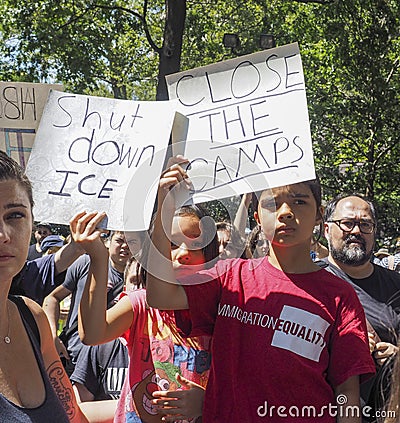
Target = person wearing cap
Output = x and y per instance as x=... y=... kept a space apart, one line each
x=380 y=254
x=51 y=244
x=42 y=230
x=393 y=262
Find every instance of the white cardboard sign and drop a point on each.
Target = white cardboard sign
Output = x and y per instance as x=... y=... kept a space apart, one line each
x=94 y=153
x=248 y=123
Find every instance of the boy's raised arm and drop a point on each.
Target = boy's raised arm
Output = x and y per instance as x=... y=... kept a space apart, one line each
x=162 y=289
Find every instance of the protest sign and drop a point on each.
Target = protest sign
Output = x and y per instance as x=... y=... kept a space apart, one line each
x=94 y=153
x=248 y=123
x=21 y=107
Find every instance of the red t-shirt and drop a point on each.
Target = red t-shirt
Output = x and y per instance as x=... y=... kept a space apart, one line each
x=279 y=340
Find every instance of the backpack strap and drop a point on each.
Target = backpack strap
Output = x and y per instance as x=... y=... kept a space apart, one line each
x=26 y=315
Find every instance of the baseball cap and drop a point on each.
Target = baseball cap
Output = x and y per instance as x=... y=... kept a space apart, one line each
x=51 y=241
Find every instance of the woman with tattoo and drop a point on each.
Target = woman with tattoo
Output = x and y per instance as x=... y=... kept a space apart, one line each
x=33 y=384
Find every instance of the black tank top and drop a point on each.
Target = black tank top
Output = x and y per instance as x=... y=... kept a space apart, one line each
x=51 y=411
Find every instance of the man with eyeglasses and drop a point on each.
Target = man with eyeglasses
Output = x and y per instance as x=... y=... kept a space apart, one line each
x=350 y=229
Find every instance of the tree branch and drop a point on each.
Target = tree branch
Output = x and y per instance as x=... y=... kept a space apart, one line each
x=142 y=18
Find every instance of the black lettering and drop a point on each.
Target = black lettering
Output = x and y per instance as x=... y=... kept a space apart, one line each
x=273 y=56
x=86 y=156
x=136 y=115
x=290 y=73
x=28 y=101
x=294 y=329
x=302 y=332
x=223 y=168
x=188 y=167
x=286 y=326
x=105 y=146
x=283 y=149
x=151 y=155
x=127 y=156
x=61 y=193
x=80 y=189
x=210 y=123
x=301 y=150
x=242 y=152
x=106 y=189
x=255 y=118
x=211 y=91
x=11 y=103
x=119 y=125
x=178 y=95
x=64 y=110
x=238 y=119
x=247 y=77
x=58 y=377
x=91 y=114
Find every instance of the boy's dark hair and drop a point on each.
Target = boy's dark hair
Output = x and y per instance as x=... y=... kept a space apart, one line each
x=11 y=170
x=313 y=184
x=332 y=204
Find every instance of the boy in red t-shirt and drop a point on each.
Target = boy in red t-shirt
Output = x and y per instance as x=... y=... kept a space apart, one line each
x=289 y=339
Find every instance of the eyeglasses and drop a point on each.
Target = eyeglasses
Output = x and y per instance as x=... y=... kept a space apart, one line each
x=347 y=225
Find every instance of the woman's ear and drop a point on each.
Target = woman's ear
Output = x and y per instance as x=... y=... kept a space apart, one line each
x=257 y=218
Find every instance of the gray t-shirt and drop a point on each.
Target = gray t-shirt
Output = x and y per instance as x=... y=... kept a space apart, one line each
x=75 y=281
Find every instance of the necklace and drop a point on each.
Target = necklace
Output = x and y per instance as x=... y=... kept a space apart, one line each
x=7 y=339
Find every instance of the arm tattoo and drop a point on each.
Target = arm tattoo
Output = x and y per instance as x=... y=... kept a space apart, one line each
x=64 y=393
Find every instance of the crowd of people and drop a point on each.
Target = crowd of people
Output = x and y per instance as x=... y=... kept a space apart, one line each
x=195 y=320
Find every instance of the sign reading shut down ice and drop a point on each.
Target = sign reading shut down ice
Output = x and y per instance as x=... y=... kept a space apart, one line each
x=248 y=123
x=94 y=153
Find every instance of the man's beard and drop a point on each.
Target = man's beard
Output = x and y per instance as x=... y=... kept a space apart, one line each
x=352 y=255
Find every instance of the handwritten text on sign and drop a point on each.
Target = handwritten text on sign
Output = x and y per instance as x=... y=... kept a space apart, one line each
x=248 y=123
x=90 y=150
x=21 y=107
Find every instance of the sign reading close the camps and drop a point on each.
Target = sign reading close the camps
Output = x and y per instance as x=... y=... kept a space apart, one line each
x=248 y=123
x=21 y=107
x=94 y=153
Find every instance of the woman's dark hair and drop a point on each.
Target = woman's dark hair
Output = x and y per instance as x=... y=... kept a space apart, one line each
x=10 y=170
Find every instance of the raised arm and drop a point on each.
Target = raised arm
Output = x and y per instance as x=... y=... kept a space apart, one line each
x=96 y=325
x=162 y=289
x=242 y=214
x=51 y=306
x=66 y=255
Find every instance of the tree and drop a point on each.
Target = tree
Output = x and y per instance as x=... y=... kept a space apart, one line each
x=350 y=51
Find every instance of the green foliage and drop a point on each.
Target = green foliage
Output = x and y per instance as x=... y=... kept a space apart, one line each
x=350 y=51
